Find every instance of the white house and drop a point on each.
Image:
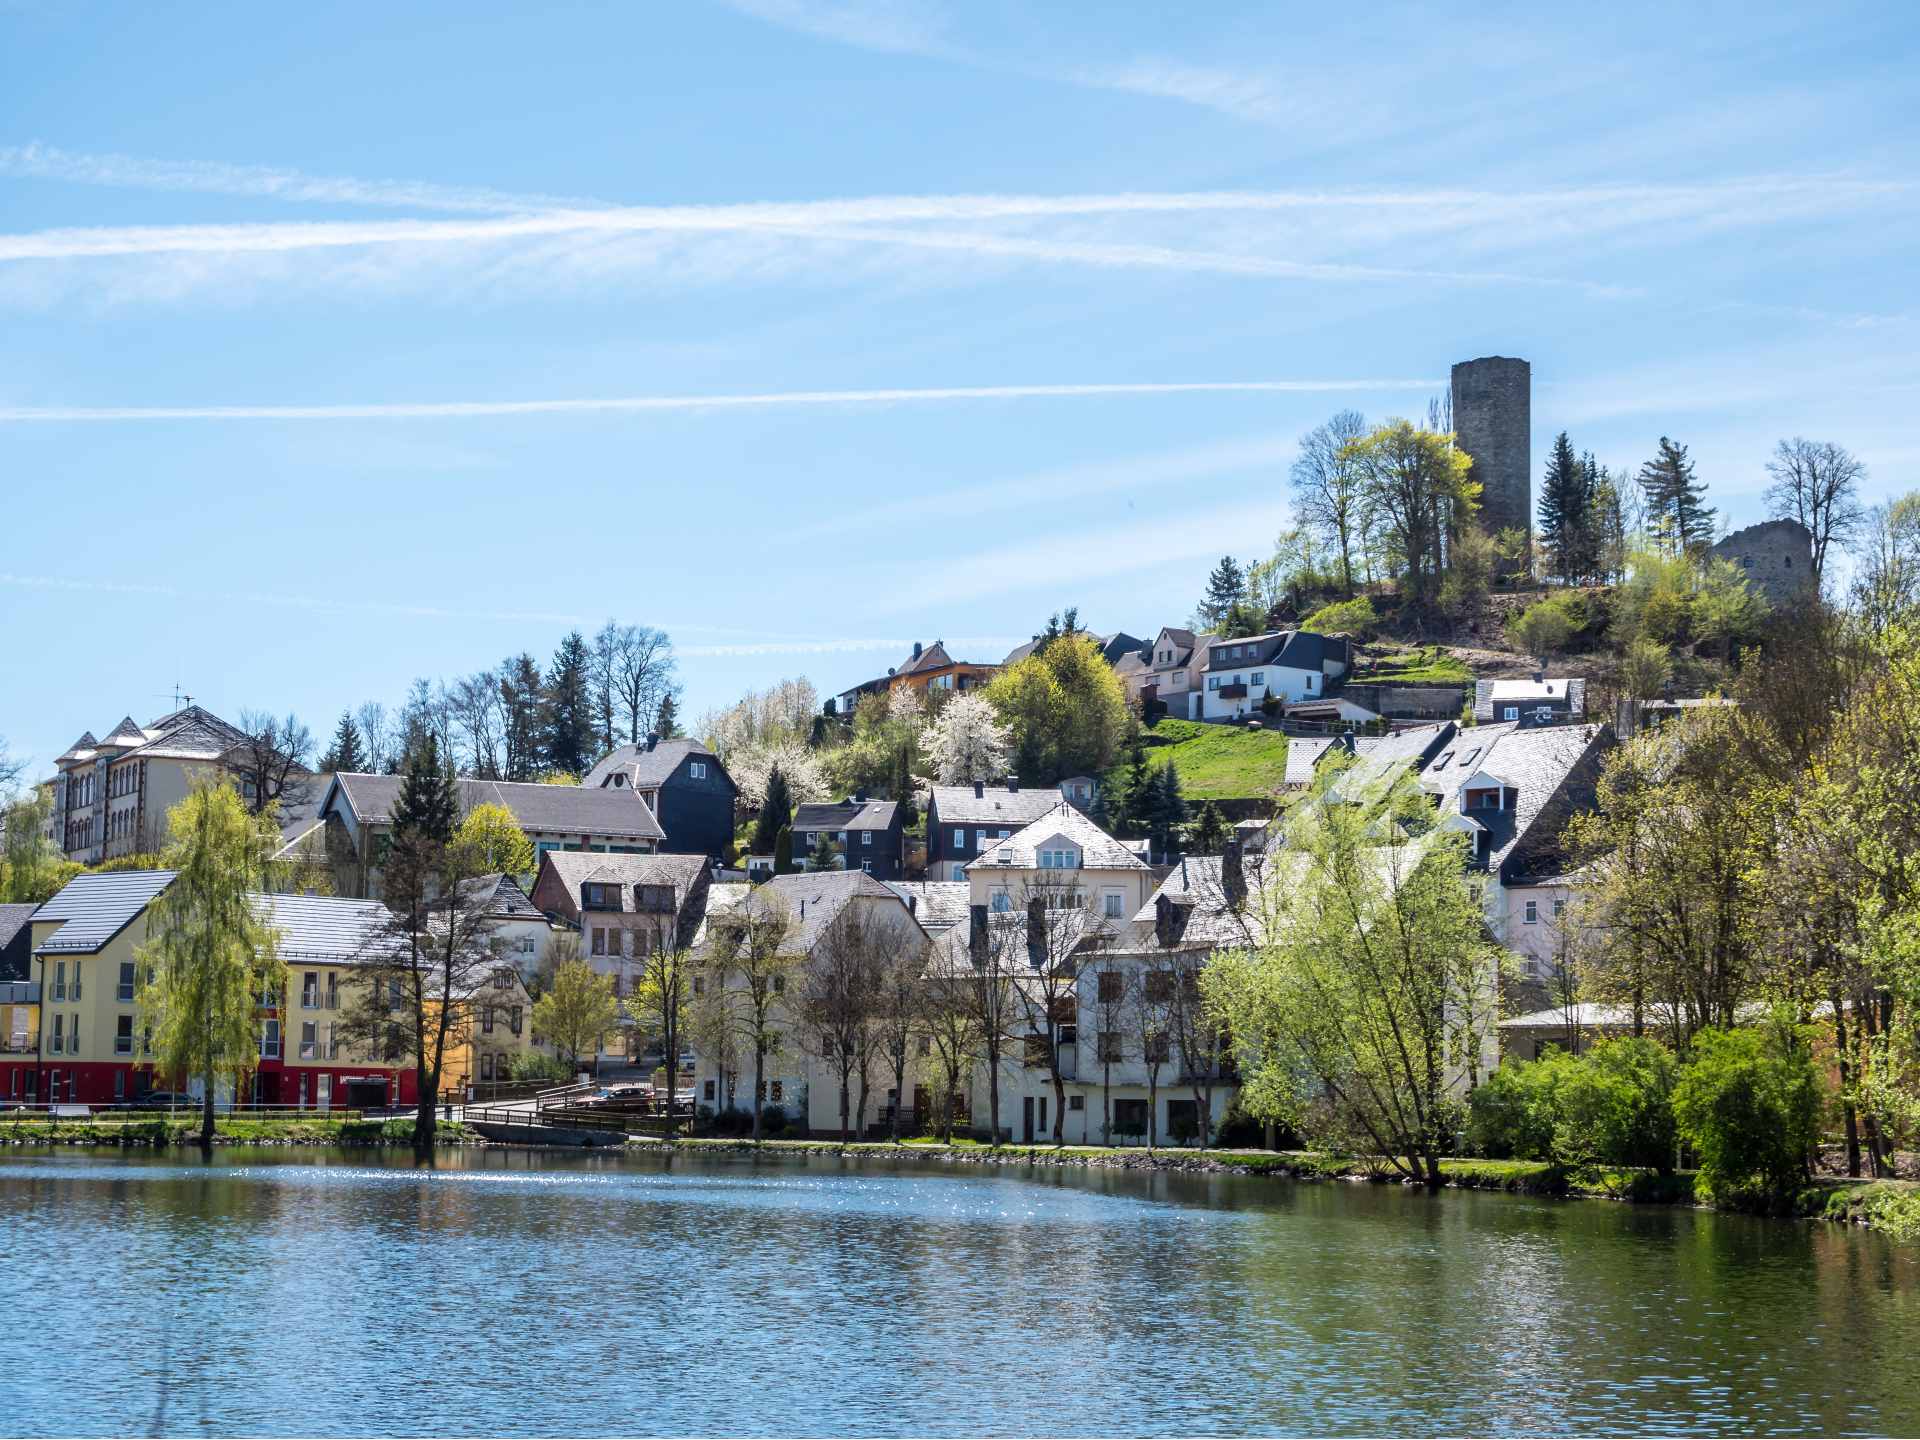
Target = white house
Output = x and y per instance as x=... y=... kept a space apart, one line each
x=1287 y=665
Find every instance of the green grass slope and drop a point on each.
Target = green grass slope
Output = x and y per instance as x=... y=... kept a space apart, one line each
x=1215 y=762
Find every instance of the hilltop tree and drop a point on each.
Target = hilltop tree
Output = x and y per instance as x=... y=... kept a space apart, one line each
x=1210 y=831
x=1226 y=588
x=1065 y=709
x=1818 y=484
x=1419 y=485
x=776 y=813
x=346 y=752
x=570 y=731
x=1567 y=514
x=1677 y=512
x=209 y=953
x=666 y=722
x=1328 y=496
x=524 y=717
x=1165 y=809
x=269 y=765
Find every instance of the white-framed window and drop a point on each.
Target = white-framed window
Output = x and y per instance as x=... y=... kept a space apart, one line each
x=959 y=872
x=309 y=1040
x=269 y=1040
x=1559 y=908
x=1059 y=860
x=59 y=1035
x=866 y=838
x=1533 y=912
x=697 y=769
x=1113 y=905
x=1259 y=677
x=125 y=993
x=1511 y=712
x=1001 y=901
x=959 y=839
x=1313 y=682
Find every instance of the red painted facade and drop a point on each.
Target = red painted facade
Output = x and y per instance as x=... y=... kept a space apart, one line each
x=54 y=1080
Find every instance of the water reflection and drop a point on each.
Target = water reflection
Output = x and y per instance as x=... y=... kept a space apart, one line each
x=321 y=1293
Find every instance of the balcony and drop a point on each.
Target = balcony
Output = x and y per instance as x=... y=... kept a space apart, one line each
x=1232 y=692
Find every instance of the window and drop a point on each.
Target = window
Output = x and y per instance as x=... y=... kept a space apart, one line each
x=1113 y=905
x=1559 y=908
x=926 y=1045
x=526 y=944
x=707 y=1091
x=1111 y=987
x=269 y=1040
x=123 y=1036
x=60 y=980
x=1533 y=912
x=779 y=988
x=959 y=840
x=599 y=940
x=1510 y=712
x=333 y=1044
x=310 y=990
x=1157 y=1049
x=777 y=1092
x=1111 y=1052
x=866 y=837
x=959 y=872
x=125 y=993
x=486 y=1020
x=1213 y=682
x=1001 y=902
x=1159 y=987
x=76 y=984
x=1259 y=677
x=59 y=1035
x=333 y=990
x=697 y=769
x=699 y=984
x=1076 y=1102
x=514 y=1019
x=73 y=1036
x=309 y=1040
x=502 y=979
x=1059 y=860
x=486 y=1068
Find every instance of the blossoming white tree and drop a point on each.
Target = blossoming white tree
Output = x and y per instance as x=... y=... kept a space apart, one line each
x=966 y=742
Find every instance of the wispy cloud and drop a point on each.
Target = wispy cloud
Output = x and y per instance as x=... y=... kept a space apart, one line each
x=639 y=404
x=132 y=172
x=896 y=27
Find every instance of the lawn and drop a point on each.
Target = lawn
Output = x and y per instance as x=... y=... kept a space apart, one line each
x=1416 y=665
x=1215 y=762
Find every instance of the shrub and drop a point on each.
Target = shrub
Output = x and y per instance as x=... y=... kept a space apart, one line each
x=532 y=1066
x=1749 y=1105
x=1354 y=617
x=733 y=1121
x=773 y=1120
x=1508 y=1118
x=1239 y=1130
x=1615 y=1106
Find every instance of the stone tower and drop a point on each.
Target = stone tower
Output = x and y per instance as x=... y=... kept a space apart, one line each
x=1492 y=422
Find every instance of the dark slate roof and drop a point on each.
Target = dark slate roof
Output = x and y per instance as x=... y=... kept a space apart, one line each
x=503 y=897
x=1552 y=767
x=125 y=733
x=1381 y=755
x=1295 y=649
x=324 y=928
x=13 y=919
x=1569 y=694
x=816 y=898
x=938 y=904
x=98 y=907
x=85 y=742
x=550 y=809
x=650 y=768
x=1098 y=849
x=1113 y=648
x=996 y=805
x=846 y=815
x=575 y=868
x=304 y=812
x=190 y=733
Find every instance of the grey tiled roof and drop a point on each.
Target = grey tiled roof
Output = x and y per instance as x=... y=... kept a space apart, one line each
x=939 y=904
x=1552 y=767
x=577 y=867
x=1295 y=649
x=14 y=917
x=995 y=805
x=98 y=907
x=1020 y=851
x=503 y=897
x=1303 y=754
x=649 y=769
x=323 y=928
x=846 y=815
x=549 y=809
x=1570 y=693
x=815 y=899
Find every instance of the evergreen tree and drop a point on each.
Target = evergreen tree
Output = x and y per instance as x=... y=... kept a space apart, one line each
x=1135 y=800
x=428 y=809
x=776 y=813
x=667 y=725
x=783 y=851
x=569 y=737
x=1059 y=626
x=1677 y=512
x=1566 y=513
x=523 y=708
x=1226 y=588
x=1167 y=808
x=346 y=752
x=1210 y=830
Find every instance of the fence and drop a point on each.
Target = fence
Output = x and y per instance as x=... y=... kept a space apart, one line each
x=130 y=1113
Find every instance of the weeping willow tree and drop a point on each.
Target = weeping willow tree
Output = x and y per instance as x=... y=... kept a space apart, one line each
x=1362 y=1014
x=210 y=954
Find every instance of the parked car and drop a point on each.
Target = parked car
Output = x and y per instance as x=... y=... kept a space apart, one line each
x=161 y=1100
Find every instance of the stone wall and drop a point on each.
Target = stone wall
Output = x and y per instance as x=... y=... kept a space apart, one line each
x=1776 y=557
x=1493 y=422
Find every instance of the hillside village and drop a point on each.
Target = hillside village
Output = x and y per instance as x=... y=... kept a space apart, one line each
x=1017 y=896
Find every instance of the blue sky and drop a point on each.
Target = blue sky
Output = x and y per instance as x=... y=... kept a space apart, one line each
x=333 y=246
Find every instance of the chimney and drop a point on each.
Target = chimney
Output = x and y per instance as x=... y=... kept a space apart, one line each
x=652 y=740
x=859 y=798
x=979 y=789
x=1013 y=786
x=977 y=934
x=1347 y=742
x=916 y=649
x=1037 y=932
x=1163 y=935
x=1233 y=875
x=913 y=904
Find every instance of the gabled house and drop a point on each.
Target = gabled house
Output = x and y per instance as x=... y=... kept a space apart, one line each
x=1114 y=648
x=1286 y=665
x=863 y=834
x=357 y=810
x=1169 y=673
x=1540 y=701
x=521 y=931
x=625 y=907
x=962 y=820
x=929 y=667
x=685 y=786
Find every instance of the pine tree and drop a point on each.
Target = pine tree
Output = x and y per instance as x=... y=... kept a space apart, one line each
x=569 y=737
x=1566 y=513
x=667 y=725
x=428 y=809
x=1131 y=807
x=1167 y=808
x=776 y=813
x=1677 y=511
x=1210 y=830
x=346 y=752
x=523 y=707
x=1226 y=587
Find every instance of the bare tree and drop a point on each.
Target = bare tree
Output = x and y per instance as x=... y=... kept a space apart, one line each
x=1887 y=589
x=376 y=731
x=1817 y=483
x=640 y=676
x=1328 y=497
x=659 y=1004
x=899 y=1022
x=712 y=1021
x=1113 y=993
x=749 y=947
x=272 y=765
x=1151 y=1014
x=1042 y=935
x=475 y=706
x=838 y=987
x=1200 y=1040
x=10 y=769
x=996 y=957
x=948 y=1016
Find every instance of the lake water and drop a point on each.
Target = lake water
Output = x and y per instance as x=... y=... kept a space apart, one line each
x=310 y=1293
